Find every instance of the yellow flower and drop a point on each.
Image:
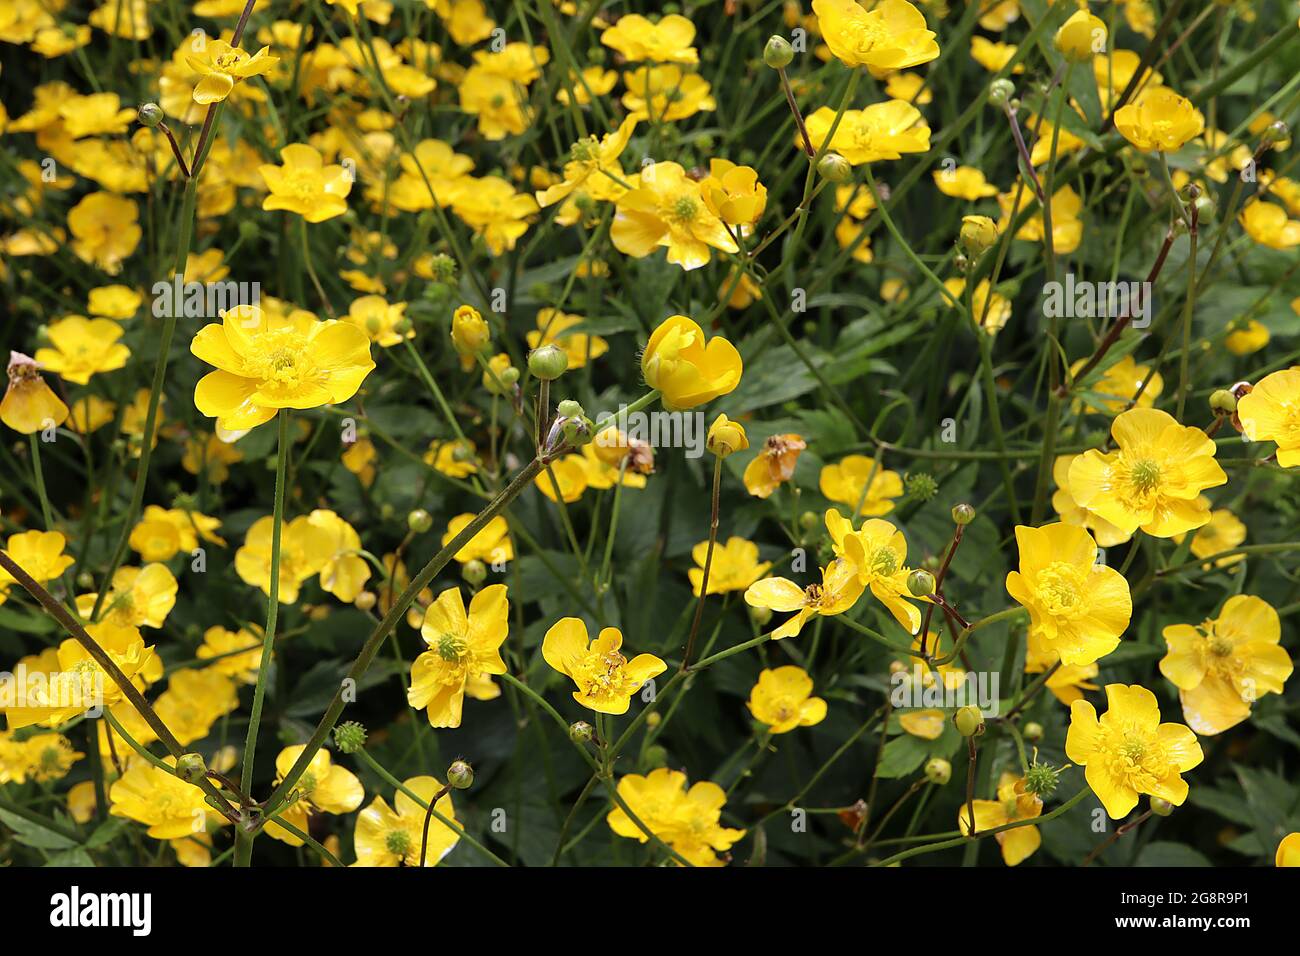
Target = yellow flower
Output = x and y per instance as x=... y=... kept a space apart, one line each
x=735 y=566
x=783 y=700
x=1077 y=607
x=601 y=474
x=462 y=646
x=495 y=100
x=164 y=532
x=910 y=87
x=492 y=545
x=138 y=597
x=267 y=361
x=1014 y=803
x=114 y=302
x=891 y=36
x=880 y=131
x=455 y=459
x=304 y=549
x=664 y=94
x=579 y=347
x=1155 y=478
x=878 y=553
x=105 y=230
x=734 y=194
x=1072 y=512
x=1122 y=380
x=1267 y=224
x=29 y=404
x=394 y=837
x=593 y=81
x=964 y=182
x=305 y=185
x=1271 y=412
x=990 y=310
x=774 y=464
x=76 y=683
x=495 y=211
x=668 y=41
x=665 y=208
x=684 y=368
x=725 y=437
x=839 y=590
x=222 y=66
x=606 y=679
x=222 y=644
x=1128 y=751
x=1159 y=120
x=593 y=167
x=42 y=758
x=344 y=572
x=170 y=807
x=1223 y=532
x=846 y=482
x=324 y=788
x=82 y=348
x=1067 y=227
x=1067 y=682
x=195 y=700
x=994 y=55
x=563 y=480
x=1288 y=851
x=687 y=820
x=91 y=413
x=381 y=321
x=1223 y=666
x=1114 y=72
x=209 y=455
x=1247 y=339
x=39 y=553
x=95 y=115
x=1081 y=37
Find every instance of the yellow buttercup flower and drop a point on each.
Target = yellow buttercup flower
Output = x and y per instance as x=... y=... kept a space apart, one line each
x=838 y=591
x=1288 y=851
x=774 y=464
x=164 y=532
x=195 y=700
x=1247 y=338
x=879 y=131
x=221 y=66
x=910 y=87
x=1067 y=226
x=462 y=646
x=1223 y=532
x=1014 y=803
x=29 y=404
x=666 y=208
x=687 y=820
x=385 y=323
x=492 y=545
x=1072 y=512
x=1223 y=666
x=664 y=94
x=138 y=597
x=1271 y=412
x=1081 y=37
x=1155 y=478
x=606 y=679
x=304 y=549
x=725 y=437
x=1067 y=682
x=1159 y=120
x=91 y=413
x=266 y=361
x=495 y=211
x=989 y=309
x=878 y=553
x=166 y=804
x=735 y=566
x=734 y=194
x=75 y=682
x=1267 y=224
x=593 y=167
x=495 y=100
x=667 y=41
x=1114 y=72
x=105 y=230
x=1128 y=752
x=39 y=553
x=600 y=474
x=1122 y=380
x=222 y=643
x=685 y=368
x=83 y=348
x=394 y=836
x=324 y=788
x=891 y=36
x=563 y=480
x=208 y=455
x=857 y=481
x=344 y=572
x=782 y=699
x=552 y=329
x=305 y=185
x=964 y=182
x=114 y=302
x=1077 y=607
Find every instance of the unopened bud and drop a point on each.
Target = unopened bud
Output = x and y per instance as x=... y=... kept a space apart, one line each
x=969 y=720
x=580 y=732
x=474 y=572
x=150 y=115
x=834 y=168
x=963 y=513
x=778 y=53
x=920 y=583
x=938 y=771
x=1223 y=402
x=364 y=600
x=191 y=768
x=547 y=362
x=1033 y=731
x=1000 y=93
x=460 y=775
x=1161 y=807
x=419 y=521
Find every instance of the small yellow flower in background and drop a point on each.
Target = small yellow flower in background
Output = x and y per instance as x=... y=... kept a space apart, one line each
x=1288 y=851
x=344 y=572
x=1122 y=380
x=601 y=474
x=606 y=679
x=29 y=404
x=687 y=820
x=665 y=208
x=1067 y=227
x=552 y=326
x=563 y=480
x=95 y=115
x=195 y=700
x=164 y=532
x=380 y=320
x=167 y=805
x=495 y=211
x=880 y=131
x=463 y=646
x=783 y=700
x=43 y=758
x=210 y=456
x=305 y=185
x=83 y=348
x=891 y=36
x=222 y=643
x=964 y=182
x=221 y=66
x=266 y=361
x=994 y=55
x=726 y=437
x=1223 y=532
x=1159 y=120
x=1247 y=339
x=1114 y=72
x=910 y=87
x=39 y=553
x=1081 y=37
x=1267 y=224
x=325 y=787
x=734 y=194
x=686 y=367
x=1077 y=607
x=1014 y=803
x=492 y=545
x=846 y=482
x=637 y=38
x=114 y=302
x=593 y=167
x=665 y=94
x=593 y=81
x=455 y=459
x=990 y=310
x=774 y=464
x=1271 y=412
x=1128 y=752
x=1068 y=681
x=839 y=590
x=91 y=413
x=1223 y=666
x=735 y=566
x=1072 y=512
x=1154 y=479
x=138 y=597
x=878 y=553
x=304 y=549
x=393 y=837
x=75 y=682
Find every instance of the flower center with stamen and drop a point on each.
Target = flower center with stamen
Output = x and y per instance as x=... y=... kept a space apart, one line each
x=451 y=648
x=397 y=842
x=884 y=562
x=1145 y=476
x=1060 y=586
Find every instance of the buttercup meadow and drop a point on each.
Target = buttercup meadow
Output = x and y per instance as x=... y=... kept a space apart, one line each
x=590 y=433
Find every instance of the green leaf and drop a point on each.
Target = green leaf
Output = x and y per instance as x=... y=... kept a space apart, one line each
x=33 y=834
x=1165 y=853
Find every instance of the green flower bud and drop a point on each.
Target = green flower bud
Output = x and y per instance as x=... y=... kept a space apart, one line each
x=1161 y=807
x=1223 y=402
x=580 y=732
x=547 y=362
x=474 y=572
x=760 y=615
x=577 y=431
x=778 y=53
x=1033 y=731
x=1000 y=92
x=349 y=737
x=834 y=168
x=150 y=115
x=568 y=409
x=191 y=768
x=963 y=514
x=460 y=775
x=365 y=600
x=969 y=720
x=920 y=583
x=248 y=230
x=809 y=520
x=938 y=771
x=419 y=521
